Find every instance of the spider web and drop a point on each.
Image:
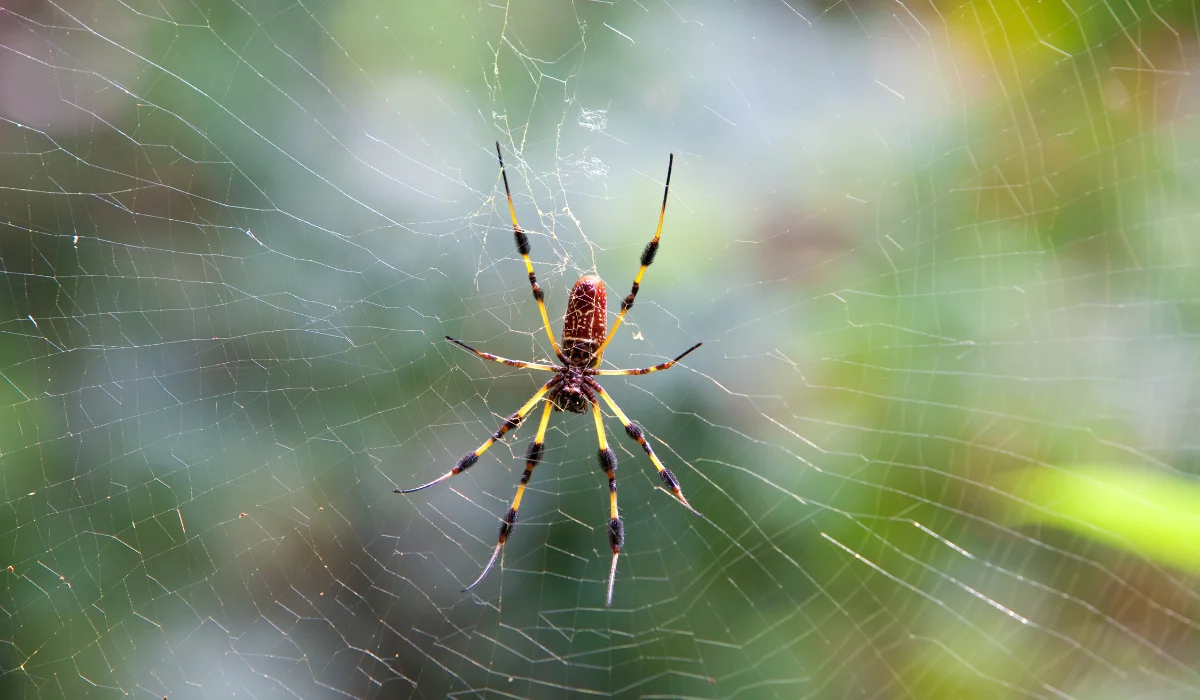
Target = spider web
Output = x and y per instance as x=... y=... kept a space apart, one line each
x=941 y=257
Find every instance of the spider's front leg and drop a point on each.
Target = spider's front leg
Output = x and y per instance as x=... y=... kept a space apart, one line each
x=616 y=528
x=467 y=460
x=634 y=431
x=532 y=458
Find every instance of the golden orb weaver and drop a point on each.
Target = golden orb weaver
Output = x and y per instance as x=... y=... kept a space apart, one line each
x=574 y=387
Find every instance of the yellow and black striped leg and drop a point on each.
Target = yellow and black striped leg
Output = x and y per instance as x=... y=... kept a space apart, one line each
x=644 y=370
x=532 y=458
x=511 y=363
x=523 y=248
x=635 y=431
x=471 y=457
x=647 y=257
x=616 y=529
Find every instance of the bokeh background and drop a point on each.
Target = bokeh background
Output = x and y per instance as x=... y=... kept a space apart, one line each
x=942 y=257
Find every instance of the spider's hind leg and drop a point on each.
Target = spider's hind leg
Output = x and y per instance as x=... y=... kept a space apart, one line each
x=647 y=258
x=520 y=364
x=643 y=370
x=522 y=242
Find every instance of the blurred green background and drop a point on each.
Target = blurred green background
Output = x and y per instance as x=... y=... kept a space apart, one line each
x=941 y=256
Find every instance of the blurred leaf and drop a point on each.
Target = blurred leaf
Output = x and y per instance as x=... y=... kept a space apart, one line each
x=1152 y=514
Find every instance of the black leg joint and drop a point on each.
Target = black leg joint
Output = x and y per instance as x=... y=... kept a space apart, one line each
x=465 y=463
x=533 y=456
x=608 y=461
x=634 y=431
x=523 y=241
x=616 y=534
x=669 y=480
x=649 y=253
x=511 y=422
x=537 y=293
x=627 y=303
x=510 y=522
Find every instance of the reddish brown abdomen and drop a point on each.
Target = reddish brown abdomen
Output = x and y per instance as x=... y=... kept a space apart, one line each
x=586 y=323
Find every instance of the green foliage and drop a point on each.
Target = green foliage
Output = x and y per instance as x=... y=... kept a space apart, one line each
x=1144 y=512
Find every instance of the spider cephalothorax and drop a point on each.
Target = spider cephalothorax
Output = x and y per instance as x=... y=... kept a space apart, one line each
x=571 y=394
x=574 y=388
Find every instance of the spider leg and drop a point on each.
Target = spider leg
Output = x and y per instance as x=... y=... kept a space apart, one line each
x=509 y=423
x=523 y=248
x=647 y=258
x=635 y=431
x=532 y=458
x=644 y=370
x=505 y=360
x=616 y=528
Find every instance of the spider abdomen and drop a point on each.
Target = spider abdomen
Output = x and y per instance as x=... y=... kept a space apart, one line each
x=586 y=323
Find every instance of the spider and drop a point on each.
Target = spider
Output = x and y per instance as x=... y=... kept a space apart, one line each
x=574 y=387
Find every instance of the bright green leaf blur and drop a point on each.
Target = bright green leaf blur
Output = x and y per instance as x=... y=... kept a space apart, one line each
x=1147 y=513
